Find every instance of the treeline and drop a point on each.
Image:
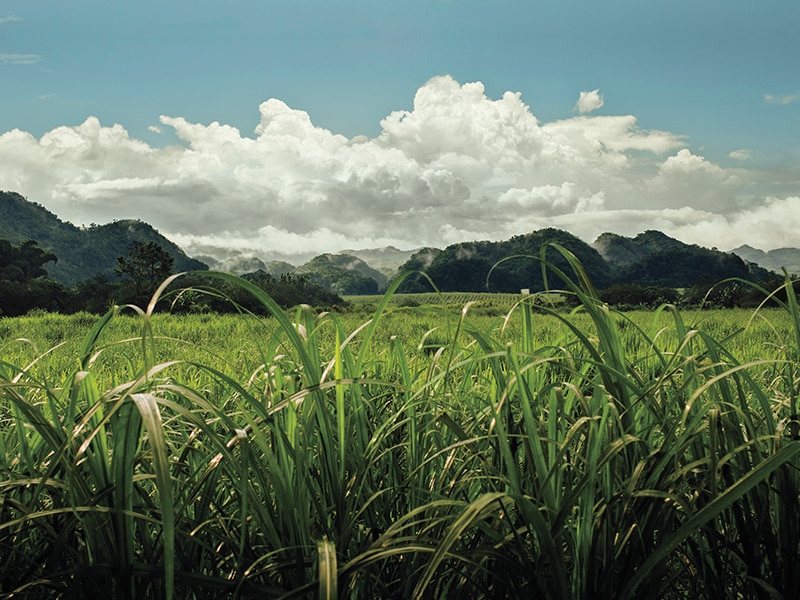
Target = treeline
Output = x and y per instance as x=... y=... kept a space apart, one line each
x=25 y=286
x=725 y=294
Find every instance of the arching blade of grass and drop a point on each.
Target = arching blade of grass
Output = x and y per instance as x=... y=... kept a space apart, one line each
x=90 y=341
x=707 y=513
x=615 y=370
x=476 y=511
x=369 y=332
x=147 y=404
x=286 y=326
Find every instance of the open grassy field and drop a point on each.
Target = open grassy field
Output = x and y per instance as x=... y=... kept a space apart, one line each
x=408 y=452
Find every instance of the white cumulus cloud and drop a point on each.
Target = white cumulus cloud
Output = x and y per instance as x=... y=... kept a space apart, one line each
x=459 y=165
x=589 y=101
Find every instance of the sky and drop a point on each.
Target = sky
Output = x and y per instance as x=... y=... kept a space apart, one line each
x=285 y=129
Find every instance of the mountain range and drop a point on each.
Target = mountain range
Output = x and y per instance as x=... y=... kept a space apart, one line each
x=649 y=259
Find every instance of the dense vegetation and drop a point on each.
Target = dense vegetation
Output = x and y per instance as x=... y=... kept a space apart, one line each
x=419 y=454
x=25 y=287
x=649 y=260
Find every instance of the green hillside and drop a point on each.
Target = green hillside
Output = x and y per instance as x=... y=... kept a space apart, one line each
x=655 y=259
x=473 y=266
x=82 y=253
x=343 y=274
x=649 y=259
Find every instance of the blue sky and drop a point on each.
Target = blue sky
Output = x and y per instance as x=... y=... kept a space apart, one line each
x=719 y=81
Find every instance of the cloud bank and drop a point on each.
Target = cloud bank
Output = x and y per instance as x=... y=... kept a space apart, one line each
x=458 y=166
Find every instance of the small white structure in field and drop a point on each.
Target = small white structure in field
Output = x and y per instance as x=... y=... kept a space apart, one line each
x=525 y=291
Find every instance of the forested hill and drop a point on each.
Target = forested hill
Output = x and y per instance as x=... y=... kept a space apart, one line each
x=466 y=267
x=82 y=253
x=343 y=274
x=649 y=259
x=652 y=258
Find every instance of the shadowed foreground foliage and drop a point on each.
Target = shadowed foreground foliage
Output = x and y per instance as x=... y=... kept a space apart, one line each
x=613 y=460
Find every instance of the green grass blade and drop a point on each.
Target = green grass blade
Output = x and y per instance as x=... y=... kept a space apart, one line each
x=474 y=512
x=126 y=444
x=328 y=570
x=707 y=513
x=147 y=404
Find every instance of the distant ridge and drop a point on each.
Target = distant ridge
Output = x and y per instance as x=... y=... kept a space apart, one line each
x=386 y=259
x=82 y=253
x=774 y=260
x=238 y=265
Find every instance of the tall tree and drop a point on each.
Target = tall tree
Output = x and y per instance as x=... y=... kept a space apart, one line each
x=23 y=282
x=23 y=262
x=147 y=264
